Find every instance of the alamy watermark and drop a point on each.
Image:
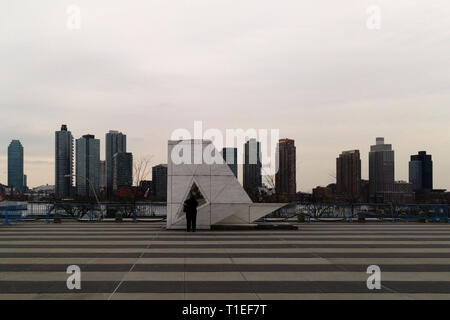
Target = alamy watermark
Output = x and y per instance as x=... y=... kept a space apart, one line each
x=261 y=147
x=74 y=280
x=374 y=280
x=373 y=21
x=73 y=17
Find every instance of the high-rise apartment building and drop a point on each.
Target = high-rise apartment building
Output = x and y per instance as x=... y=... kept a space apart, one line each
x=348 y=175
x=15 y=165
x=159 y=178
x=115 y=142
x=421 y=172
x=230 y=157
x=381 y=170
x=87 y=165
x=122 y=170
x=285 y=177
x=252 y=178
x=63 y=163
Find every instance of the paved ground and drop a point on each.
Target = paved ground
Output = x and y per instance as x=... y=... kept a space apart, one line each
x=144 y=261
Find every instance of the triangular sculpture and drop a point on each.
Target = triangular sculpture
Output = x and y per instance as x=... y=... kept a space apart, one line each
x=222 y=200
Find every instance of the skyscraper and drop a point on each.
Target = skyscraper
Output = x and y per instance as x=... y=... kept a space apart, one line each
x=230 y=157
x=159 y=178
x=122 y=170
x=87 y=165
x=285 y=177
x=381 y=170
x=63 y=163
x=15 y=165
x=348 y=175
x=115 y=142
x=421 y=172
x=252 y=178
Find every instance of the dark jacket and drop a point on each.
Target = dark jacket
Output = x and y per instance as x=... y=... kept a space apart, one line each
x=190 y=206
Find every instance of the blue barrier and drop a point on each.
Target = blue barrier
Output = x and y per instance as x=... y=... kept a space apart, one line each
x=11 y=213
x=47 y=215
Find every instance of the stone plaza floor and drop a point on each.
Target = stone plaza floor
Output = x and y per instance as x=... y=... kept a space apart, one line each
x=146 y=261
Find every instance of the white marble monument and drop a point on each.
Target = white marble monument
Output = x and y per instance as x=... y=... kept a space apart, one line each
x=222 y=201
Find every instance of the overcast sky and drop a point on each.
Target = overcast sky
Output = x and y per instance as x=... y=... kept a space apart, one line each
x=312 y=69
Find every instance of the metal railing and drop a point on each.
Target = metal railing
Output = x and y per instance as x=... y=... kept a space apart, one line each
x=293 y=212
x=94 y=211
x=310 y=212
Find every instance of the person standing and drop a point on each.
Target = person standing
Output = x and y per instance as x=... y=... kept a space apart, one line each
x=190 y=208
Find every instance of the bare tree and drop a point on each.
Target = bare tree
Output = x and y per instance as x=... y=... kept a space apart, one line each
x=141 y=168
x=269 y=180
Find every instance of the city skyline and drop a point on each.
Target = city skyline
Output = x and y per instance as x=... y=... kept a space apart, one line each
x=333 y=175
x=313 y=70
